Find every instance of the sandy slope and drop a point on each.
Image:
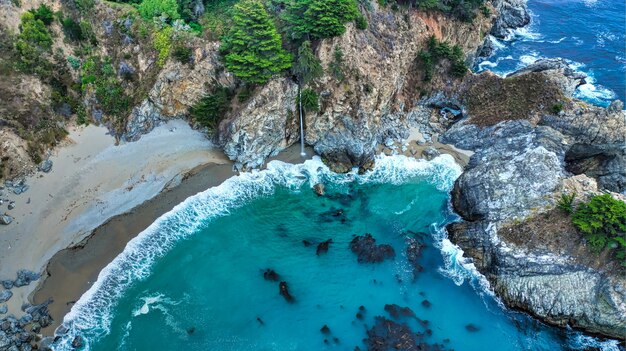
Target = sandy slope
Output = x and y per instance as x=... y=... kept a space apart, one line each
x=91 y=181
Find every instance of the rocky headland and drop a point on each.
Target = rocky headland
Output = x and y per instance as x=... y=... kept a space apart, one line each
x=531 y=141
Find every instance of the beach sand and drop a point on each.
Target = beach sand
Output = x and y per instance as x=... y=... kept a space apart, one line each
x=91 y=181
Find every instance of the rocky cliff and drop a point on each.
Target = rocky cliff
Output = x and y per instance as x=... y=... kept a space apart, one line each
x=529 y=251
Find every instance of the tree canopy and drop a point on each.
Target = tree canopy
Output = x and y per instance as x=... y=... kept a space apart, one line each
x=307 y=66
x=319 y=18
x=153 y=8
x=253 y=48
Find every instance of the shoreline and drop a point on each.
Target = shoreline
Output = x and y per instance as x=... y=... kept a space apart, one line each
x=71 y=271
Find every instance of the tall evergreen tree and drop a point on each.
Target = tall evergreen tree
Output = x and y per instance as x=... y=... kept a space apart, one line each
x=307 y=66
x=252 y=48
x=319 y=18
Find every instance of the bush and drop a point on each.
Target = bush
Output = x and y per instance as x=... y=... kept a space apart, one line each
x=210 y=109
x=438 y=51
x=162 y=43
x=566 y=203
x=603 y=221
x=336 y=65
x=32 y=44
x=182 y=54
x=44 y=14
x=310 y=100
x=154 y=8
x=100 y=76
x=72 y=29
x=361 y=22
x=557 y=108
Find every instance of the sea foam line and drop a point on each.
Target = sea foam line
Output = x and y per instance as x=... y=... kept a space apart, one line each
x=91 y=316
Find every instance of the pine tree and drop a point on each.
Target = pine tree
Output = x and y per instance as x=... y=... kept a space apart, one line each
x=307 y=66
x=252 y=48
x=319 y=18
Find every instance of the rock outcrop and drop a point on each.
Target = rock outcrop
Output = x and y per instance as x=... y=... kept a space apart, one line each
x=512 y=14
x=534 y=258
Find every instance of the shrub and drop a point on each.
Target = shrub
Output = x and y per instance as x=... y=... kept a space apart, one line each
x=154 y=8
x=44 y=14
x=182 y=54
x=557 y=108
x=438 y=51
x=566 y=203
x=162 y=43
x=100 y=76
x=310 y=100
x=336 y=65
x=33 y=42
x=210 y=109
x=361 y=22
x=602 y=220
x=72 y=29
x=74 y=62
x=253 y=48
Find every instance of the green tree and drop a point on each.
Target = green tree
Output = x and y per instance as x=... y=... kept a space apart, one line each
x=153 y=8
x=210 y=109
x=602 y=219
x=336 y=65
x=307 y=66
x=319 y=18
x=33 y=42
x=252 y=48
x=44 y=13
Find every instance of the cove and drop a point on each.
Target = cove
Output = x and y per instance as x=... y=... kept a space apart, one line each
x=195 y=279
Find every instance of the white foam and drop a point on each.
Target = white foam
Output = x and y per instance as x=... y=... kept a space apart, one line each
x=579 y=341
x=91 y=315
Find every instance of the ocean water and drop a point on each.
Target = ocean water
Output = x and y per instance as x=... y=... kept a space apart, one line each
x=194 y=279
x=590 y=34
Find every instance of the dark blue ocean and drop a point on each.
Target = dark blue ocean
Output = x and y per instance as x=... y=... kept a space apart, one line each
x=587 y=33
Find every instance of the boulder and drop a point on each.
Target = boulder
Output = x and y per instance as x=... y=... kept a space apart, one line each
x=3 y=308
x=5 y=295
x=45 y=166
x=25 y=277
x=512 y=14
x=6 y=219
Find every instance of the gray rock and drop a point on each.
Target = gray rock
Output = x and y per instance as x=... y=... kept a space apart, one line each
x=512 y=14
x=430 y=153
x=108 y=27
x=7 y=284
x=5 y=295
x=125 y=69
x=45 y=166
x=143 y=119
x=5 y=341
x=25 y=277
x=6 y=219
x=3 y=308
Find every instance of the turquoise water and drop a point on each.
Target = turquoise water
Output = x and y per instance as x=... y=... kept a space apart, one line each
x=194 y=280
x=590 y=34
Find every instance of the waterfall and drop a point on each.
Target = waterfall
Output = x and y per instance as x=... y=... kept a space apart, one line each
x=302 y=153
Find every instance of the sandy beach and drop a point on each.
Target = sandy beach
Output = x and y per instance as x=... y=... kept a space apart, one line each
x=91 y=181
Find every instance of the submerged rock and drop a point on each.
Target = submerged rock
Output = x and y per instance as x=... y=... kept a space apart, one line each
x=284 y=292
x=319 y=189
x=397 y=312
x=271 y=275
x=323 y=247
x=368 y=252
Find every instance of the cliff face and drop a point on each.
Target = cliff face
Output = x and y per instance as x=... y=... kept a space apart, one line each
x=377 y=100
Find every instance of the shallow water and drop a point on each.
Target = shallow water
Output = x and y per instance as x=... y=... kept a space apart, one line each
x=194 y=280
x=590 y=34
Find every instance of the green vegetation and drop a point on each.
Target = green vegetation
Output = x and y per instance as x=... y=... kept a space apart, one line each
x=99 y=75
x=603 y=221
x=319 y=19
x=210 y=109
x=335 y=67
x=44 y=14
x=182 y=54
x=252 y=48
x=307 y=66
x=566 y=203
x=310 y=101
x=162 y=43
x=361 y=22
x=154 y=8
x=465 y=10
x=32 y=45
x=438 y=51
x=557 y=108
